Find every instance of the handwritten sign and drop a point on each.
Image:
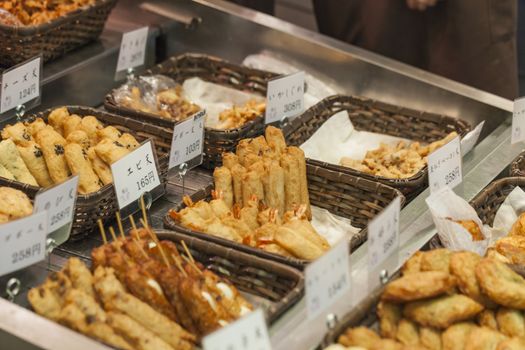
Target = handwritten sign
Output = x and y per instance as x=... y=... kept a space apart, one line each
x=20 y=84
x=188 y=139
x=247 y=333
x=135 y=174
x=471 y=138
x=132 y=49
x=444 y=166
x=327 y=279
x=383 y=235
x=284 y=97
x=58 y=202
x=22 y=242
x=518 y=121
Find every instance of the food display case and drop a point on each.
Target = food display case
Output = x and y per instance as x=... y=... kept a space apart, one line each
x=85 y=76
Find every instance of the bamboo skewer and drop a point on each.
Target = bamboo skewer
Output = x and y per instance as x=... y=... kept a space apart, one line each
x=102 y=231
x=177 y=262
x=119 y=223
x=143 y=207
x=192 y=264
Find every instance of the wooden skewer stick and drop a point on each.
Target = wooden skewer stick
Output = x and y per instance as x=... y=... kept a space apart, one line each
x=141 y=248
x=192 y=264
x=113 y=235
x=187 y=251
x=177 y=262
x=119 y=223
x=143 y=207
x=156 y=240
x=102 y=231
x=134 y=227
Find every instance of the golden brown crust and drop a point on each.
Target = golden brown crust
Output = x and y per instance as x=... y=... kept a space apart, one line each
x=389 y=315
x=52 y=145
x=512 y=344
x=430 y=338
x=359 y=336
x=79 y=164
x=511 y=322
x=14 y=203
x=487 y=318
x=413 y=264
x=518 y=229
x=407 y=332
x=419 y=285
x=455 y=337
x=436 y=260
x=33 y=157
x=512 y=248
x=482 y=338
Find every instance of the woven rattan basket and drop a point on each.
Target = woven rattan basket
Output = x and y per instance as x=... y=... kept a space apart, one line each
x=378 y=117
x=345 y=195
x=214 y=70
x=517 y=167
x=55 y=38
x=279 y=284
x=103 y=203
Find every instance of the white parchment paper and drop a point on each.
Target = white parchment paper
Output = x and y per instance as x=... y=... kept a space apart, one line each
x=508 y=213
x=332 y=227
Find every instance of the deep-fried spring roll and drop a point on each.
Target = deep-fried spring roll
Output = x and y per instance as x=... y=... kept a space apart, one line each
x=239 y=226
x=292 y=181
x=229 y=159
x=275 y=139
x=102 y=170
x=297 y=244
x=71 y=124
x=79 y=164
x=259 y=146
x=303 y=227
x=273 y=181
x=110 y=151
x=33 y=157
x=242 y=150
x=18 y=133
x=238 y=172
x=223 y=184
x=252 y=186
x=219 y=206
x=215 y=227
x=305 y=198
x=56 y=119
x=52 y=145
x=249 y=213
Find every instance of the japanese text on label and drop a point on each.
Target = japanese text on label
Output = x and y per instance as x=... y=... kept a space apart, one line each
x=383 y=235
x=188 y=139
x=20 y=84
x=284 y=97
x=22 y=242
x=132 y=49
x=135 y=174
x=444 y=166
x=518 y=121
x=327 y=279
x=247 y=333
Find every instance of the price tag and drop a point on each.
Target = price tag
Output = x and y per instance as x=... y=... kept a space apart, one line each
x=327 y=279
x=444 y=166
x=383 y=235
x=132 y=49
x=135 y=174
x=247 y=333
x=470 y=139
x=22 y=242
x=284 y=97
x=20 y=84
x=518 y=121
x=59 y=202
x=187 y=140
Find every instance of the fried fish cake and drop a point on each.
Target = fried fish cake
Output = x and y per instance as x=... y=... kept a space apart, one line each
x=18 y=133
x=128 y=141
x=389 y=315
x=512 y=248
x=501 y=284
x=35 y=126
x=407 y=332
x=56 y=119
x=80 y=137
x=71 y=124
x=90 y=125
x=78 y=162
x=436 y=260
x=10 y=158
x=443 y=311
x=455 y=337
x=110 y=151
x=14 y=203
x=413 y=264
x=419 y=285
x=512 y=344
x=511 y=322
x=518 y=229
x=102 y=170
x=359 y=336
x=463 y=267
x=389 y=344
x=483 y=338
x=430 y=338
x=487 y=318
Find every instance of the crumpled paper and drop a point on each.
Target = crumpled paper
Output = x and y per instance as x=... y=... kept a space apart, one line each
x=332 y=227
x=508 y=213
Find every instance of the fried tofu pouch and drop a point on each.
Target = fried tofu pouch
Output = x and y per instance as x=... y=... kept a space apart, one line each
x=102 y=170
x=110 y=151
x=80 y=165
x=11 y=160
x=18 y=133
x=33 y=158
x=56 y=119
x=52 y=145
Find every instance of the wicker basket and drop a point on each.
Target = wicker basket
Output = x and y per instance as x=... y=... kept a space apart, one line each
x=282 y=285
x=378 y=117
x=217 y=71
x=55 y=38
x=345 y=195
x=517 y=167
x=103 y=203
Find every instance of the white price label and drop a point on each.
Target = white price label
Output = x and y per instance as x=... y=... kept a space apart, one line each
x=383 y=235
x=470 y=139
x=247 y=333
x=284 y=97
x=444 y=166
x=188 y=139
x=59 y=202
x=22 y=242
x=20 y=84
x=518 y=121
x=135 y=174
x=327 y=279
x=132 y=49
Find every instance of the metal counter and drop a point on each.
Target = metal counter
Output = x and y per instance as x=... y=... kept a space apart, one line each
x=219 y=28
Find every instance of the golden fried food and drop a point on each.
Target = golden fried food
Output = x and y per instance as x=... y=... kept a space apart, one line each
x=34 y=12
x=91 y=125
x=35 y=126
x=436 y=260
x=52 y=145
x=463 y=267
x=129 y=141
x=455 y=337
x=71 y=124
x=487 y=318
x=45 y=302
x=360 y=336
x=512 y=248
x=110 y=151
x=10 y=158
x=292 y=182
x=518 y=228
x=413 y=264
x=389 y=315
x=79 y=164
x=512 y=344
x=18 y=133
x=14 y=203
x=109 y=132
x=237 y=116
x=511 y=322
x=80 y=137
x=80 y=276
x=407 y=332
x=6 y=173
x=482 y=338
x=33 y=158
x=419 y=285
x=303 y=181
x=473 y=228
x=297 y=244
x=430 y=338
x=443 y=311
x=501 y=284
x=102 y=170
x=56 y=119
x=229 y=160
x=275 y=139
x=222 y=178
